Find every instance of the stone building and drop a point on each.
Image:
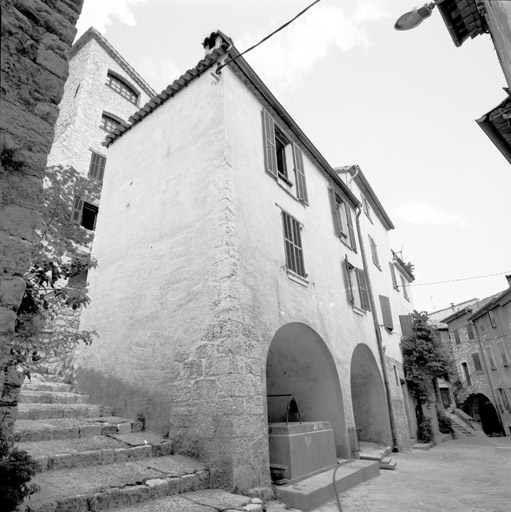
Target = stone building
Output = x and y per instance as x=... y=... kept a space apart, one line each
x=480 y=344
x=236 y=266
x=35 y=42
x=101 y=93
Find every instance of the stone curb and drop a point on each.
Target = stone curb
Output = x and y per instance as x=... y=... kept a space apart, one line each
x=126 y=496
x=104 y=456
x=47 y=386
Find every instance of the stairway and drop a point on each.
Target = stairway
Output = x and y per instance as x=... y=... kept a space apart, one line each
x=92 y=460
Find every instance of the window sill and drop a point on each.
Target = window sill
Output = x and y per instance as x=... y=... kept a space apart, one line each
x=347 y=245
x=287 y=191
x=297 y=278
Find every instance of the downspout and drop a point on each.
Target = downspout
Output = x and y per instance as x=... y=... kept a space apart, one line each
x=378 y=334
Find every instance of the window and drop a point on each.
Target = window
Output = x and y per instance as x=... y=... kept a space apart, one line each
x=366 y=207
x=108 y=123
x=386 y=313
x=293 y=245
x=470 y=332
x=357 y=295
x=503 y=353
x=84 y=214
x=493 y=319
x=482 y=327
x=343 y=221
x=374 y=252
x=466 y=373
x=477 y=362
x=489 y=353
x=504 y=399
x=395 y=375
x=97 y=166
x=278 y=153
x=393 y=276
x=120 y=86
x=404 y=285
x=456 y=335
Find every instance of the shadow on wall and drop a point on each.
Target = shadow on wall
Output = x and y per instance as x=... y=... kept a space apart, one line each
x=126 y=400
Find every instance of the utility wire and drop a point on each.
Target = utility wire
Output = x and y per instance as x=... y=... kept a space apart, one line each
x=267 y=37
x=461 y=279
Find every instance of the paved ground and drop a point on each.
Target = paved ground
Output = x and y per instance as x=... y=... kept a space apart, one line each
x=470 y=474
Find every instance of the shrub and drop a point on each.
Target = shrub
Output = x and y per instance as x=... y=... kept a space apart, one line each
x=425 y=430
x=444 y=422
x=16 y=470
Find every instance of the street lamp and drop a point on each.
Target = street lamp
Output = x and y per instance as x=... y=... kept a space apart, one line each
x=415 y=17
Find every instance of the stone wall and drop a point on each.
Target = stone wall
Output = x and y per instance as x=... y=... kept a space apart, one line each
x=35 y=41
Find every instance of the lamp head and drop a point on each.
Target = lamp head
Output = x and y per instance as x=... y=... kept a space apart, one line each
x=415 y=17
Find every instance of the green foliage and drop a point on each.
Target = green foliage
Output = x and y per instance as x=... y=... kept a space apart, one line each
x=61 y=253
x=444 y=422
x=425 y=429
x=424 y=357
x=16 y=470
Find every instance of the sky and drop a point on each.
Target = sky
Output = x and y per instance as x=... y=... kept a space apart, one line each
x=402 y=105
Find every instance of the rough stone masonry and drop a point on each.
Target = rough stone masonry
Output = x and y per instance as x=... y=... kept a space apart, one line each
x=35 y=39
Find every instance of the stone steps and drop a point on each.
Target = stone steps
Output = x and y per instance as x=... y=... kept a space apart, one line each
x=37 y=411
x=35 y=385
x=52 y=397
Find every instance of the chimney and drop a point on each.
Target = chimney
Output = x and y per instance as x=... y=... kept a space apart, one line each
x=216 y=40
x=508 y=277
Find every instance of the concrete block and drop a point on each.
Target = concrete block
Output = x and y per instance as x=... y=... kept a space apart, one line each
x=123 y=428
x=90 y=430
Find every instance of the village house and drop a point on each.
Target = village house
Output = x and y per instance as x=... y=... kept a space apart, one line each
x=233 y=270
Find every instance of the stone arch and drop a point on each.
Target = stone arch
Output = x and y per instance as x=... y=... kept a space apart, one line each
x=299 y=362
x=481 y=408
x=368 y=398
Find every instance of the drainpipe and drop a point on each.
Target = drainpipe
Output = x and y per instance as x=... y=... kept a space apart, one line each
x=378 y=333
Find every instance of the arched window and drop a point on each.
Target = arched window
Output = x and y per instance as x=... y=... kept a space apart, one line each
x=119 y=85
x=109 y=122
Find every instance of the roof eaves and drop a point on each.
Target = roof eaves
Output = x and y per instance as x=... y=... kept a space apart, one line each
x=456 y=315
x=242 y=66
x=92 y=33
x=356 y=172
x=500 y=299
x=496 y=126
x=462 y=19
x=178 y=84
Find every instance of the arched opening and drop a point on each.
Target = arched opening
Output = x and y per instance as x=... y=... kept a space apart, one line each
x=300 y=363
x=482 y=410
x=368 y=398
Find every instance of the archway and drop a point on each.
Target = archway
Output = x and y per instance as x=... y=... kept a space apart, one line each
x=368 y=398
x=479 y=406
x=300 y=363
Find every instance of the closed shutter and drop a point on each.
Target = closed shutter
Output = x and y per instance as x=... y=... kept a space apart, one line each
x=477 y=362
x=406 y=326
x=301 y=189
x=97 y=166
x=335 y=212
x=77 y=210
x=386 y=313
x=362 y=289
x=270 y=150
x=346 y=269
x=393 y=275
x=353 y=241
x=470 y=332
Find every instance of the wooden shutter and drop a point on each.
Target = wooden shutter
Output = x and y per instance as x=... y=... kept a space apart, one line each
x=301 y=189
x=101 y=167
x=406 y=326
x=386 y=313
x=335 y=212
x=76 y=216
x=270 y=150
x=346 y=268
x=362 y=289
x=353 y=241
x=393 y=275
x=477 y=362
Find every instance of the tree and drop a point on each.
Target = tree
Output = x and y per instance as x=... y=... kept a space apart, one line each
x=60 y=256
x=424 y=359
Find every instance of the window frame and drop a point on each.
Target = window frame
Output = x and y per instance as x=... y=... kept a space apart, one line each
x=404 y=285
x=122 y=87
x=97 y=166
x=343 y=220
x=470 y=332
x=491 y=358
x=393 y=276
x=293 y=246
x=493 y=318
x=106 y=119
x=360 y=299
x=386 y=311
x=503 y=353
x=476 y=360
x=466 y=373
x=272 y=132
x=456 y=336
x=79 y=205
x=374 y=252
